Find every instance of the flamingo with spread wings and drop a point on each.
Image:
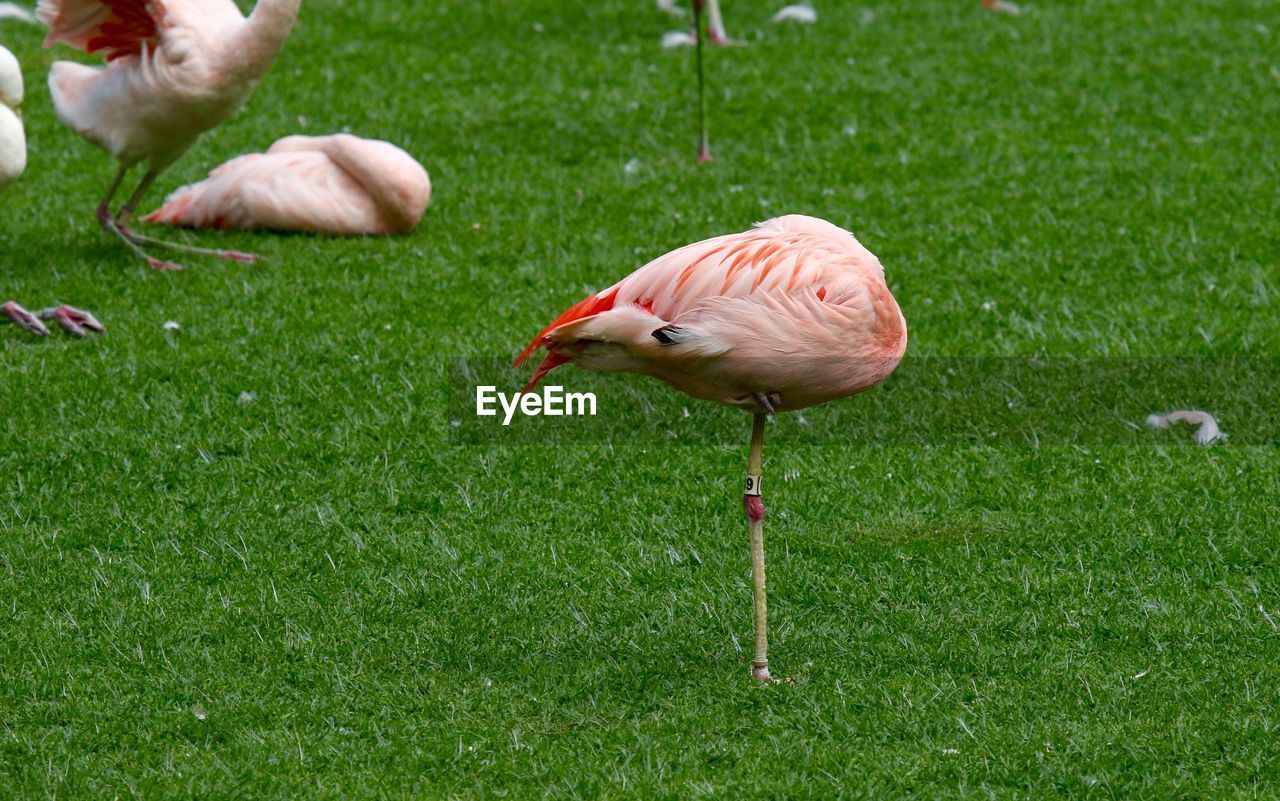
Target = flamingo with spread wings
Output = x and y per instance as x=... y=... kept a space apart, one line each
x=791 y=313
x=175 y=69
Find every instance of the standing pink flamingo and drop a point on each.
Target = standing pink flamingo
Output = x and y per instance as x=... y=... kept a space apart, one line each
x=13 y=162
x=339 y=184
x=175 y=69
x=792 y=313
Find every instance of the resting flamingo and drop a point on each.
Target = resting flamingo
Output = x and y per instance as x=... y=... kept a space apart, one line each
x=175 y=69
x=13 y=162
x=339 y=184
x=792 y=313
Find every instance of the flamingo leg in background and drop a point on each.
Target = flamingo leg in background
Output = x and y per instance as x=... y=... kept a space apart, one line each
x=109 y=224
x=125 y=216
x=715 y=24
x=704 y=147
x=118 y=226
x=755 y=510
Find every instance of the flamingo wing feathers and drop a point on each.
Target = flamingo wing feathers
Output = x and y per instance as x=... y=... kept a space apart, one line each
x=785 y=254
x=336 y=185
x=117 y=28
x=795 y=307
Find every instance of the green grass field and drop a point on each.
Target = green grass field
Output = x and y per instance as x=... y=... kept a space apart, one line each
x=328 y=592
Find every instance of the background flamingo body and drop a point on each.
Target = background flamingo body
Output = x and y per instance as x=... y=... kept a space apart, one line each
x=175 y=69
x=795 y=306
x=334 y=184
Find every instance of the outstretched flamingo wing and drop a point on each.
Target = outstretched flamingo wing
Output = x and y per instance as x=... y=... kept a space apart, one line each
x=118 y=28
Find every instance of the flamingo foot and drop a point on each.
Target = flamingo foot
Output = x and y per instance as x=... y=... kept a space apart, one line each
x=24 y=319
x=1003 y=6
x=761 y=674
x=769 y=401
x=138 y=240
x=163 y=266
x=240 y=256
x=77 y=322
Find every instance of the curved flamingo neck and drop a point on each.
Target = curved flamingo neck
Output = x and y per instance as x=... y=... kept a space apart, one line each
x=265 y=33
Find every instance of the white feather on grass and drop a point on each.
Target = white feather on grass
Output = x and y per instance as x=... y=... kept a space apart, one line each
x=15 y=11
x=670 y=7
x=672 y=39
x=796 y=13
x=1207 y=433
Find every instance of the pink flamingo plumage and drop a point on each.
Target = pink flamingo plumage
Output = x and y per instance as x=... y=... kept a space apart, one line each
x=791 y=313
x=175 y=69
x=338 y=184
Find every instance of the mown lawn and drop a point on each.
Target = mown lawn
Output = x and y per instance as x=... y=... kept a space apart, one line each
x=342 y=588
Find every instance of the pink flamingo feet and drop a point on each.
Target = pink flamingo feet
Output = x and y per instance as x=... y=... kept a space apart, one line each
x=77 y=322
x=761 y=674
x=119 y=227
x=24 y=319
x=719 y=38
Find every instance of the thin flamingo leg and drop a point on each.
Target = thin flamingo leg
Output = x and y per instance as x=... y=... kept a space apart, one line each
x=754 y=507
x=704 y=147
x=108 y=224
x=125 y=217
x=715 y=24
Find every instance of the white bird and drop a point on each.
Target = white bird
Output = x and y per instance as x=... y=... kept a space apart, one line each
x=175 y=69
x=13 y=162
